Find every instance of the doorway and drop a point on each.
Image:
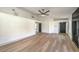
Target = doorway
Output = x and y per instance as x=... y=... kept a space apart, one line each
x=62 y=27
x=38 y=27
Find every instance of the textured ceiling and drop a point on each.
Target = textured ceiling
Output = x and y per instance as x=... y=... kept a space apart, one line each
x=53 y=10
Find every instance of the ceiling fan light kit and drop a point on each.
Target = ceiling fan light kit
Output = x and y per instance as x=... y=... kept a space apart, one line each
x=43 y=15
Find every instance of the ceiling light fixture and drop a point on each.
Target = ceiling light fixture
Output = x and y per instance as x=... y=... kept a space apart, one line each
x=43 y=15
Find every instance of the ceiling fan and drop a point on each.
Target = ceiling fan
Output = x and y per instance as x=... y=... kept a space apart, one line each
x=43 y=12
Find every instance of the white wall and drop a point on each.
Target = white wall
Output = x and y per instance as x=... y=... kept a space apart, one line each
x=13 y=28
x=53 y=27
x=70 y=26
x=45 y=26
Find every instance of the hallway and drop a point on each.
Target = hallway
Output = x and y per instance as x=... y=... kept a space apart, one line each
x=42 y=42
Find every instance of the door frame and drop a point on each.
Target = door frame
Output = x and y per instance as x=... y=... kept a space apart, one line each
x=38 y=30
x=65 y=27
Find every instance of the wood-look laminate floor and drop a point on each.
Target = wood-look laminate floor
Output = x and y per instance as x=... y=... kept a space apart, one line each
x=42 y=43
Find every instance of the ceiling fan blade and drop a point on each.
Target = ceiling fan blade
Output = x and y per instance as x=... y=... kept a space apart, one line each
x=43 y=12
x=40 y=11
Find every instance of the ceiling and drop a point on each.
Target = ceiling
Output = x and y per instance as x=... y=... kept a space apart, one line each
x=54 y=11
